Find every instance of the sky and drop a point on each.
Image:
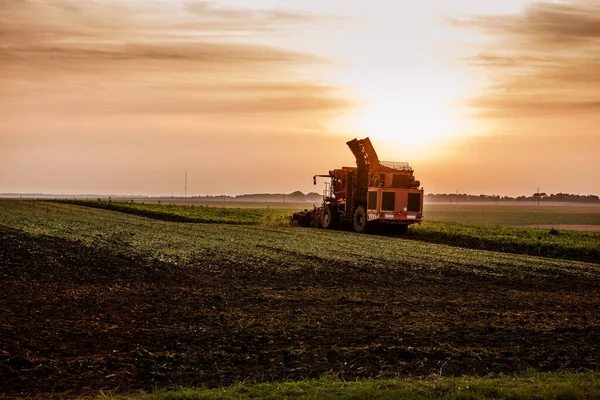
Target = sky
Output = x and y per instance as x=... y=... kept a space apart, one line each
x=125 y=96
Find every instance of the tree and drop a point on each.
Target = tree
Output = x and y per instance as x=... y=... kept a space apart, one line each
x=296 y=196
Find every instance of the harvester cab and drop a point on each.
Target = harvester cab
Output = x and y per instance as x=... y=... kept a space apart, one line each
x=372 y=194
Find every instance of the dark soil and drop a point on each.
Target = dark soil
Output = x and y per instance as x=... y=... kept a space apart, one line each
x=76 y=319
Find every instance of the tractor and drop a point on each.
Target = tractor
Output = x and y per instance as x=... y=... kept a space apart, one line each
x=373 y=195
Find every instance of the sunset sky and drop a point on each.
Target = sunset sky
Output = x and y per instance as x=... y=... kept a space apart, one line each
x=124 y=96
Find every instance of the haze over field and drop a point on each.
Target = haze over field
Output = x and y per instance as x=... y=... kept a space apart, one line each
x=124 y=96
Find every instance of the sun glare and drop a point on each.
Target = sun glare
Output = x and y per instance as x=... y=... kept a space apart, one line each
x=407 y=128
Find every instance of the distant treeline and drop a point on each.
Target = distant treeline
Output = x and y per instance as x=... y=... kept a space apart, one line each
x=542 y=197
x=313 y=197
x=296 y=196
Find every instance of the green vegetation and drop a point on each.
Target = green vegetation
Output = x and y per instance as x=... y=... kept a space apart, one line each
x=573 y=245
x=530 y=386
x=191 y=213
x=267 y=244
x=514 y=215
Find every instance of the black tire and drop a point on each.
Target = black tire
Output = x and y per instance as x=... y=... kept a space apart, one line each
x=360 y=220
x=331 y=217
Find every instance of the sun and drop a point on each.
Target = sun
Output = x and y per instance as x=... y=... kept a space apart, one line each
x=405 y=127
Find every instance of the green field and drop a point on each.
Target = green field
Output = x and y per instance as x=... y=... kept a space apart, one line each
x=530 y=386
x=194 y=213
x=110 y=298
x=506 y=214
x=574 y=245
x=486 y=234
x=514 y=214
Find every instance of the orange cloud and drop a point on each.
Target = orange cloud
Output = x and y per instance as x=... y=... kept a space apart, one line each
x=543 y=62
x=554 y=24
x=122 y=96
x=162 y=57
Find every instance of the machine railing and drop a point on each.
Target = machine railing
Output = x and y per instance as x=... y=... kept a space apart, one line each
x=397 y=165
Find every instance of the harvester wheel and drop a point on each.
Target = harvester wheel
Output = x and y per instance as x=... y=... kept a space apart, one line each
x=360 y=219
x=331 y=217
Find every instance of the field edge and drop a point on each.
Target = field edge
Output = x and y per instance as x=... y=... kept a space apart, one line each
x=530 y=385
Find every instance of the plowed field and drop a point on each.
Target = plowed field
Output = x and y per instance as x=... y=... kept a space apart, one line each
x=94 y=299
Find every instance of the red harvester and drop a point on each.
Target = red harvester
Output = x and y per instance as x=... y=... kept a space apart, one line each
x=367 y=196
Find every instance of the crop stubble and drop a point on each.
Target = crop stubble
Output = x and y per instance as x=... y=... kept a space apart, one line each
x=93 y=299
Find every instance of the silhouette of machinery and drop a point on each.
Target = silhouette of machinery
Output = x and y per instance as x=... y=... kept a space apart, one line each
x=369 y=196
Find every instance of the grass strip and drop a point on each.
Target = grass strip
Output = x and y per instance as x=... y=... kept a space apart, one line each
x=531 y=386
x=191 y=213
x=571 y=245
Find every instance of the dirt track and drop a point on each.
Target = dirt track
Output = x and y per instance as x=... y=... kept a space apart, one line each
x=77 y=319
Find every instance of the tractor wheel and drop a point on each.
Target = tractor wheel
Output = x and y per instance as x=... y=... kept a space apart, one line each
x=360 y=219
x=331 y=217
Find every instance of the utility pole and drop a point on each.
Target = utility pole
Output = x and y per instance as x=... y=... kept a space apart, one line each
x=185 y=192
x=538 y=196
